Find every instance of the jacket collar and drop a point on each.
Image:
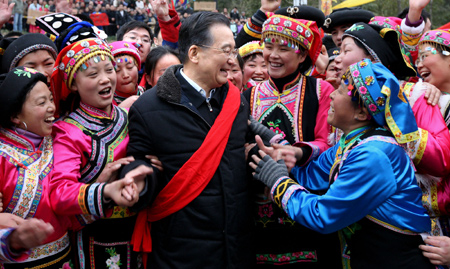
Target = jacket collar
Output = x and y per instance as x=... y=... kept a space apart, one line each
x=168 y=87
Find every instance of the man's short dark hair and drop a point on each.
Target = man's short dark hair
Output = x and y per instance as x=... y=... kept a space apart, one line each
x=131 y=25
x=195 y=30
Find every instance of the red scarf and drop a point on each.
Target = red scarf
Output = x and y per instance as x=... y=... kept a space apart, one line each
x=192 y=177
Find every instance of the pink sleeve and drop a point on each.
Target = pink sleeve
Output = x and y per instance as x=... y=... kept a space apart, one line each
x=322 y=129
x=431 y=153
x=68 y=195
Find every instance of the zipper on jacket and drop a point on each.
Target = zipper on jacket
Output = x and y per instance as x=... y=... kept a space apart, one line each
x=178 y=104
x=209 y=106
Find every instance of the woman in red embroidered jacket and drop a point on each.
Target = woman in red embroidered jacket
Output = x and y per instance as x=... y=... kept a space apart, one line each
x=34 y=234
x=90 y=146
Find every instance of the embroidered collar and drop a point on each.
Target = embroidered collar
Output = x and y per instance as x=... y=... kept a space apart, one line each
x=287 y=82
x=353 y=136
x=25 y=142
x=97 y=113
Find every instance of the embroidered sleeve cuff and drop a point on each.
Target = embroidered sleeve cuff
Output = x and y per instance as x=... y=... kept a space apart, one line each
x=6 y=254
x=282 y=191
x=258 y=19
x=91 y=201
x=409 y=28
x=412 y=24
x=310 y=152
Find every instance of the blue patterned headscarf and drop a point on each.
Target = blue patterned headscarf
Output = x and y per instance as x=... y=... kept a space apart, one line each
x=379 y=90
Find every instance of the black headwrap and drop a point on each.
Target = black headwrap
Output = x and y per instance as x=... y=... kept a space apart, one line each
x=22 y=46
x=346 y=15
x=304 y=13
x=384 y=45
x=14 y=86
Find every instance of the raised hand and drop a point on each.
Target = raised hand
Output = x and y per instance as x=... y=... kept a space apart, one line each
x=161 y=9
x=415 y=9
x=270 y=5
x=64 y=6
x=5 y=11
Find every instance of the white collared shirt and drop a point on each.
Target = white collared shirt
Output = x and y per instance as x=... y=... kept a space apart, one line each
x=197 y=87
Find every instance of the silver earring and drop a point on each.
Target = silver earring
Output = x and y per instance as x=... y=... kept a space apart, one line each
x=26 y=128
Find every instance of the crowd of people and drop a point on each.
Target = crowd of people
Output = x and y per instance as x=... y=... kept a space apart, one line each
x=213 y=140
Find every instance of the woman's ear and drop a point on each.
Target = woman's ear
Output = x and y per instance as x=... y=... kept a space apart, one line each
x=74 y=87
x=16 y=120
x=148 y=79
x=362 y=114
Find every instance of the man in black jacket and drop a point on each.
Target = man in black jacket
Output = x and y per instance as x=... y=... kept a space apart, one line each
x=122 y=16
x=203 y=220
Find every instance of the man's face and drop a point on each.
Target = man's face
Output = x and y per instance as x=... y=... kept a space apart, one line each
x=337 y=32
x=213 y=62
x=142 y=37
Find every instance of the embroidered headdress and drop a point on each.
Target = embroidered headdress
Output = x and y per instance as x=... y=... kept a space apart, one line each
x=379 y=91
x=72 y=58
x=24 y=45
x=65 y=29
x=120 y=48
x=250 y=48
x=437 y=37
x=294 y=33
x=387 y=22
x=384 y=45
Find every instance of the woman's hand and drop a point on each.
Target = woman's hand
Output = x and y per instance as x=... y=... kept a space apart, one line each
x=109 y=173
x=8 y=220
x=270 y=5
x=155 y=162
x=432 y=94
x=30 y=233
x=278 y=152
x=437 y=249
x=127 y=103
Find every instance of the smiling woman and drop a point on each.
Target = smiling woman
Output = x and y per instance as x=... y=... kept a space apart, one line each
x=90 y=146
x=376 y=209
x=294 y=106
x=35 y=51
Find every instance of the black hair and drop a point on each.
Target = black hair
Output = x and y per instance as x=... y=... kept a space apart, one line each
x=251 y=57
x=153 y=57
x=425 y=15
x=195 y=30
x=84 y=17
x=240 y=62
x=13 y=34
x=16 y=107
x=131 y=25
x=156 y=30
